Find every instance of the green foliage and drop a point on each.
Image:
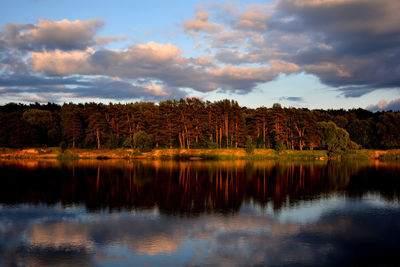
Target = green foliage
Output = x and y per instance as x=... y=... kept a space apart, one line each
x=341 y=121
x=71 y=124
x=212 y=145
x=37 y=117
x=127 y=143
x=142 y=141
x=335 y=139
x=353 y=145
x=280 y=146
x=358 y=155
x=41 y=121
x=276 y=106
x=67 y=156
x=360 y=132
x=53 y=135
x=249 y=145
x=97 y=127
x=388 y=130
x=192 y=123
x=196 y=145
x=63 y=146
x=113 y=142
x=391 y=155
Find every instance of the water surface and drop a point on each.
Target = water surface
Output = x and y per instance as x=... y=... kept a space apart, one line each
x=121 y=213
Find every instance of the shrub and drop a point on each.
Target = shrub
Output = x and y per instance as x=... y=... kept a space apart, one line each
x=142 y=141
x=113 y=142
x=127 y=143
x=63 y=146
x=334 y=138
x=249 y=146
x=279 y=146
x=212 y=145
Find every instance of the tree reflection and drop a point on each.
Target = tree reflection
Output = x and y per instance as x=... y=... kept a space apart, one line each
x=190 y=187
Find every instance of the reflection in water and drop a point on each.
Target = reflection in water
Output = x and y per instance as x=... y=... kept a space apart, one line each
x=189 y=213
x=189 y=188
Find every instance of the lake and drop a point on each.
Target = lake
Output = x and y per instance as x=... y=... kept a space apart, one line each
x=174 y=213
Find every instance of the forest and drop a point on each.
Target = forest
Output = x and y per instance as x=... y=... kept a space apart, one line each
x=193 y=123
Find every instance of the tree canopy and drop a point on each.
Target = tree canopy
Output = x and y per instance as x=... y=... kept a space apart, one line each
x=192 y=123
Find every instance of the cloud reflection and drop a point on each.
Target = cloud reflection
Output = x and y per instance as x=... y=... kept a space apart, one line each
x=247 y=238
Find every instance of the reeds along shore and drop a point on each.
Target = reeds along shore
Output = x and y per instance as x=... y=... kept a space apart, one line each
x=195 y=154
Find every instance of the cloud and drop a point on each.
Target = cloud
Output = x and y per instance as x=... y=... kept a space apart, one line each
x=245 y=45
x=103 y=40
x=385 y=105
x=355 y=52
x=59 y=89
x=237 y=57
x=292 y=98
x=350 y=49
x=256 y=20
x=201 y=23
x=159 y=62
x=37 y=235
x=59 y=235
x=58 y=62
x=133 y=62
x=51 y=34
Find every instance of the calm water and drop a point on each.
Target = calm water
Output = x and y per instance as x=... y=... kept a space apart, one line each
x=120 y=213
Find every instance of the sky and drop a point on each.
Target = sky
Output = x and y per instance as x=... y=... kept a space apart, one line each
x=300 y=53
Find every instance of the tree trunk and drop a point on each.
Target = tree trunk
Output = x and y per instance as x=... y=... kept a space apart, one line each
x=216 y=135
x=187 y=137
x=264 y=131
x=209 y=123
x=220 y=137
x=130 y=130
x=226 y=130
x=169 y=133
x=180 y=140
x=98 y=138
x=236 y=134
x=197 y=133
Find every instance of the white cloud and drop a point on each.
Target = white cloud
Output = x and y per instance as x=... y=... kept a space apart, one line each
x=201 y=23
x=245 y=45
x=384 y=105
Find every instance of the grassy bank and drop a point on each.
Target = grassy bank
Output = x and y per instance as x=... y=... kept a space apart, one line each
x=193 y=154
x=390 y=155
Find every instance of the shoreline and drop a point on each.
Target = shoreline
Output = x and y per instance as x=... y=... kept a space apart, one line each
x=193 y=154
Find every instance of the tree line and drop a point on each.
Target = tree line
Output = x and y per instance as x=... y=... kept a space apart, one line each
x=193 y=123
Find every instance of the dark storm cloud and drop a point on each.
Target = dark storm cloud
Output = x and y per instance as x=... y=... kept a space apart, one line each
x=13 y=63
x=56 y=89
x=26 y=80
x=360 y=39
x=348 y=44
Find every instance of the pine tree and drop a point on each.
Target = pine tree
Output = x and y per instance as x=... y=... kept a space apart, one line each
x=71 y=123
x=97 y=127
